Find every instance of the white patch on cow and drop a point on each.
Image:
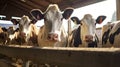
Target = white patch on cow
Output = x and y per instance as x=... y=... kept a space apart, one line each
x=76 y=26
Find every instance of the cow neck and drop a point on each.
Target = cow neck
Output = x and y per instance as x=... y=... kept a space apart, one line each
x=45 y=32
x=33 y=30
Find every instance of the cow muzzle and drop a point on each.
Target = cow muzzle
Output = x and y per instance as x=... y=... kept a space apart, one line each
x=89 y=38
x=53 y=37
x=23 y=34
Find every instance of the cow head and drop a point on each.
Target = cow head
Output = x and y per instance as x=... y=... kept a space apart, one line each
x=24 y=25
x=52 y=19
x=88 y=26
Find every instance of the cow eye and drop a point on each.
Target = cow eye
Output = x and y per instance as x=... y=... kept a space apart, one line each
x=61 y=19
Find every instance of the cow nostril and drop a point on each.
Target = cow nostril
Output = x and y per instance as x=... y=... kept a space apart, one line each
x=55 y=35
x=52 y=37
x=86 y=37
x=23 y=34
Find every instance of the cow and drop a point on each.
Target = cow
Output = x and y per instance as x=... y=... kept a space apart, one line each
x=105 y=33
x=85 y=34
x=52 y=34
x=27 y=32
x=3 y=36
x=111 y=34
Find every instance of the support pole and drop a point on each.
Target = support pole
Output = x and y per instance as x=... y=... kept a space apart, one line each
x=69 y=30
x=118 y=9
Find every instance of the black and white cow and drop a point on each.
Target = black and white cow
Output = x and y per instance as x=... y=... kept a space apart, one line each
x=111 y=34
x=85 y=34
x=52 y=34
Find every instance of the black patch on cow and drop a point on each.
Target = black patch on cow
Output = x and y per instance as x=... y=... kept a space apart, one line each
x=76 y=37
x=105 y=36
x=112 y=36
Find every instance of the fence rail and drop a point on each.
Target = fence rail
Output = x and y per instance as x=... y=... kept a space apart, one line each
x=66 y=57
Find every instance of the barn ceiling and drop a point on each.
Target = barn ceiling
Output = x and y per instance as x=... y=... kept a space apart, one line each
x=19 y=8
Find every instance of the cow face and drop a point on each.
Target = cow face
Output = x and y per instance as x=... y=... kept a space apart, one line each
x=24 y=25
x=52 y=20
x=88 y=26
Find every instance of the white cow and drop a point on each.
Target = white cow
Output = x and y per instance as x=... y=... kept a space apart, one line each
x=52 y=33
x=27 y=33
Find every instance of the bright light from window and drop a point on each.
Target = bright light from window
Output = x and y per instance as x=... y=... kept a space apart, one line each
x=2 y=16
x=16 y=18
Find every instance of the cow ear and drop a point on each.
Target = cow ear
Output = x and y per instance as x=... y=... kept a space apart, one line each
x=100 y=19
x=67 y=13
x=37 y=14
x=15 y=21
x=76 y=20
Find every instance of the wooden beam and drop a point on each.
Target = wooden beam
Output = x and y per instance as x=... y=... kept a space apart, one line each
x=65 y=57
x=14 y=10
x=19 y=7
x=18 y=2
x=40 y=5
x=49 y=1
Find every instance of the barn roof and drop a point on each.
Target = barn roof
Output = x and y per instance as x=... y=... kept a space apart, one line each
x=22 y=7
